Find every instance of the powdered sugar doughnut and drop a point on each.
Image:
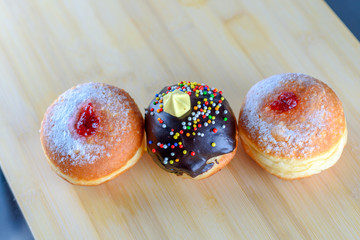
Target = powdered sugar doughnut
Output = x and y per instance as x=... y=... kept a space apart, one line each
x=293 y=125
x=92 y=133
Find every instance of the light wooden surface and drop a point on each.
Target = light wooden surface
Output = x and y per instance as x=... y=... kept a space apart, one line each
x=48 y=46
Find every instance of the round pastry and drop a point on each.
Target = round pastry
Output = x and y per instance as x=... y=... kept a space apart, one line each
x=92 y=133
x=191 y=129
x=293 y=125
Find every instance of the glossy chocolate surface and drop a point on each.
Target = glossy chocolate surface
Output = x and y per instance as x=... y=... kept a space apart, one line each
x=178 y=145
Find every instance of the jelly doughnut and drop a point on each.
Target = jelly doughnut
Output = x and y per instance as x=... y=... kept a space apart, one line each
x=191 y=129
x=92 y=133
x=293 y=125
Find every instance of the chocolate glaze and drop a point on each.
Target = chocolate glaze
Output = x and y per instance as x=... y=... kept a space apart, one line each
x=159 y=133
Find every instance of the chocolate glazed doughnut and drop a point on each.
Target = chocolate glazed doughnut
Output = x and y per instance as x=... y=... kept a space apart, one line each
x=191 y=129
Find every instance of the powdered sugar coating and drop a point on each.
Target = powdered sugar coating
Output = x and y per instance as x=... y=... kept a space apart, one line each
x=58 y=127
x=311 y=127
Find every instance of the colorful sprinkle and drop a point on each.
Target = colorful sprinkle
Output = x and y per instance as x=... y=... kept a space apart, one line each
x=203 y=114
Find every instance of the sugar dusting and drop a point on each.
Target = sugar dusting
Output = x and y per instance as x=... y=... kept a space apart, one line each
x=289 y=134
x=59 y=127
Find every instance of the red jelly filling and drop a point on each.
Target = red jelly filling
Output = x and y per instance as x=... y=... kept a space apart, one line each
x=285 y=102
x=88 y=122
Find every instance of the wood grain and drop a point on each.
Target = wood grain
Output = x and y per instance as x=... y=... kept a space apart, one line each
x=48 y=46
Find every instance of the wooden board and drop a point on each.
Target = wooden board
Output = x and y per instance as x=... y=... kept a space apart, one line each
x=48 y=46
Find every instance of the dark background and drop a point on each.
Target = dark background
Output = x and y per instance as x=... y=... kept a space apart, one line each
x=349 y=12
x=12 y=223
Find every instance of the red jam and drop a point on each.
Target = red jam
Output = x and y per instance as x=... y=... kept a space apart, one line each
x=285 y=102
x=88 y=122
